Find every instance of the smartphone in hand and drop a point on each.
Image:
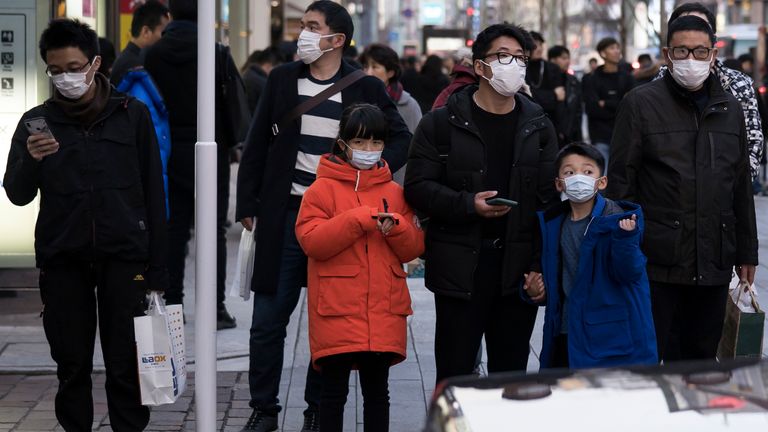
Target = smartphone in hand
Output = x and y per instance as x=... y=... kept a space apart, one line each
x=37 y=126
x=495 y=201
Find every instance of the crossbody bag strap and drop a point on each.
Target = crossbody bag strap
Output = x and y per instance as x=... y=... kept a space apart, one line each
x=316 y=100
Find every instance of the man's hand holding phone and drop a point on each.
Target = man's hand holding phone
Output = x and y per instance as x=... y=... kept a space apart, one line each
x=485 y=207
x=40 y=142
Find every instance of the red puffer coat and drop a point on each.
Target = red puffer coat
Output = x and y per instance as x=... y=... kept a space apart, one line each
x=358 y=296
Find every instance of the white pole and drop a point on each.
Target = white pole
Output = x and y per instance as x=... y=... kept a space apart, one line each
x=205 y=222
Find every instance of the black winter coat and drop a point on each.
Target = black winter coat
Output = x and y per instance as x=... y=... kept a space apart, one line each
x=172 y=63
x=101 y=194
x=690 y=174
x=443 y=188
x=267 y=166
x=599 y=86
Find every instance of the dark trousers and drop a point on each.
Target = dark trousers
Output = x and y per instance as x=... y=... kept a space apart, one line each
x=374 y=376
x=560 y=351
x=688 y=320
x=181 y=203
x=506 y=321
x=271 y=314
x=69 y=292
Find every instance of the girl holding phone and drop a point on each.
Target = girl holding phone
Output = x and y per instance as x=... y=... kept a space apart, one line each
x=357 y=230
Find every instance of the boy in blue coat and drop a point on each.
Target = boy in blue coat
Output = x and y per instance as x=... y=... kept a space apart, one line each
x=598 y=305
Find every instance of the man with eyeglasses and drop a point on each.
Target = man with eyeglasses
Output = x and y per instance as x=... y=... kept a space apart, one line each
x=734 y=82
x=479 y=169
x=679 y=150
x=100 y=239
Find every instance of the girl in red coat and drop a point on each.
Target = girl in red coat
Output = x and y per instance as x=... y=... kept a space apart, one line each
x=357 y=230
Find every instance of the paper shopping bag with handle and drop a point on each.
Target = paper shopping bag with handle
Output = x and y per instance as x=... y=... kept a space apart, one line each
x=160 y=352
x=743 y=325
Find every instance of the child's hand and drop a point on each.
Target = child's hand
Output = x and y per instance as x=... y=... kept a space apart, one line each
x=628 y=224
x=534 y=287
x=385 y=223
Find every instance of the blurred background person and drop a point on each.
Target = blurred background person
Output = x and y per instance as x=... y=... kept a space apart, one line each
x=570 y=122
x=431 y=81
x=147 y=26
x=255 y=72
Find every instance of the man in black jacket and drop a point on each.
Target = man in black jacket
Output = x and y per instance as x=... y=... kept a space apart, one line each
x=679 y=150
x=278 y=164
x=93 y=156
x=573 y=113
x=149 y=22
x=546 y=81
x=488 y=142
x=172 y=63
x=603 y=90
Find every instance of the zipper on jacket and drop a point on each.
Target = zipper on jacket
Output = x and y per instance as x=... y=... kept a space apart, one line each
x=711 y=152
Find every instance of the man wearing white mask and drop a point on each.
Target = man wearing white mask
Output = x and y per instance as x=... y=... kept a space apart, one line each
x=294 y=125
x=100 y=239
x=479 y=169
x=679 y=149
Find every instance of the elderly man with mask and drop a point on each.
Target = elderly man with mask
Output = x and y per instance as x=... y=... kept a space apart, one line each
x=679 y=149
x=479 y=169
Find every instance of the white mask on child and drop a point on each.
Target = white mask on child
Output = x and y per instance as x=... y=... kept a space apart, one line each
x=579 y=188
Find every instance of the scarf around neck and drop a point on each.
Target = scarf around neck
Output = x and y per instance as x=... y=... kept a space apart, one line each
x=82 y=111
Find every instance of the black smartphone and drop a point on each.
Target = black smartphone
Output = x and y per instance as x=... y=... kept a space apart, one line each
x=495 y=201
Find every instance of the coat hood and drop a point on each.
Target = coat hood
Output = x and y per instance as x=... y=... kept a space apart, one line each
x=335 y=168
x=180 y=39
x=405 y=99
x=140 y=77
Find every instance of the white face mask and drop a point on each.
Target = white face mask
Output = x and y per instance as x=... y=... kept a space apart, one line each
x=309 y=46
x=579 y=188
x=690 y=73
x=72 y=85
x=362 y=159
x=507 y=78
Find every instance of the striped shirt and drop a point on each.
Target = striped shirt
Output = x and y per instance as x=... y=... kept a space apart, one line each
x=319 y=129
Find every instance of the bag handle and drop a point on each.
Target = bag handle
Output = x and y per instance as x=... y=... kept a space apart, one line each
x=317 y=100
x=156 y=303
x=745 y=287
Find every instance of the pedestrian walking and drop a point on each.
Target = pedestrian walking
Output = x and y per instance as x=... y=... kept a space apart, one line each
x=573 y=105
x=100 y=239
x=594 y=285
x=147 y=25
x=357 y=230
x=547 y=82
x=680 y=151
x=284 y=147
x=603 y=90
x=734 y=82
x=430 y=82
x=488 y=142
x=172 y=63
x=255 y=72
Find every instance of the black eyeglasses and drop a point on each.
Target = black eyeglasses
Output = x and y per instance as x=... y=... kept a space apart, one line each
x=506 y=58
x=58 y=72
x=682 y=53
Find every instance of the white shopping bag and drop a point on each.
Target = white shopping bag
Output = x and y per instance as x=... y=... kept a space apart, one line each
x=241 y=283
x=160 y=352
x=743 y=294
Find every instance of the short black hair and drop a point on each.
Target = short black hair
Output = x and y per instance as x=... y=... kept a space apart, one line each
x=605 y=43
x=149 y=14
x=733 y=64
x=66 y=32
x=557 y=51
x=336 y=17
x=690 y=23
x=384 y=56
x=185 y=10
x=644 y=57
x=486 y=37
x=592 y=60
x=746 y=58
x=362 y=120
x=536 y=36
x=107 y=52
x=582 y=149
x=687 y=8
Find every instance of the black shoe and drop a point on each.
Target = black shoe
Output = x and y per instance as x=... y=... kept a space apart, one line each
x=311 y=422
x=260 y=422
x=223 y=319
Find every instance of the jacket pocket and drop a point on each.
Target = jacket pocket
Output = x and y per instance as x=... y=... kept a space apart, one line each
x=727 y=240
x=399 y=297
x=608 y=332
x=661 y=241
x=337 y=296
x=121 y=159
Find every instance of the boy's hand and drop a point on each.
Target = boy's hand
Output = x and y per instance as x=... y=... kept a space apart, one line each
x=534 y=286
x=628 y=224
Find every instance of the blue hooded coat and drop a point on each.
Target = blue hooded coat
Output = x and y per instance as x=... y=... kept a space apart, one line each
x=610 y=321
x=139 y=84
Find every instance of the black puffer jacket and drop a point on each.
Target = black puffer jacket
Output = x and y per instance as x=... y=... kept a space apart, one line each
x=444 y=189
x=101 y=194
x=690 y=173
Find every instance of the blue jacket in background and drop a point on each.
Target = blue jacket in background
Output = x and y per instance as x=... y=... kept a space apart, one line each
x=609 y=310
x=139 y=84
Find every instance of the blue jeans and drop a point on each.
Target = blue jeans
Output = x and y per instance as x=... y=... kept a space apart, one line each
x=271 y=313
x=605 y=150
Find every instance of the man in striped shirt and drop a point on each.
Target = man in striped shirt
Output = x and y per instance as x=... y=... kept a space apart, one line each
x=279 y=162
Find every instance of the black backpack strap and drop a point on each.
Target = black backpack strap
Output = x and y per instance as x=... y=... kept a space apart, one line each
x=442 y=135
